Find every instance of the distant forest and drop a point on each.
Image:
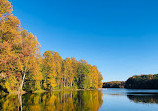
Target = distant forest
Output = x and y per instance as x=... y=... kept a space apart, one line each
x=23 y=68
x=142 y=82
x=114 y=84
x=136 y=82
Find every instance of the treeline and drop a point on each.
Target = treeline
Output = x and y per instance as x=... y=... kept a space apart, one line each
x=23 y=68
x=114 y=84
x=135 y=82
x=142 y=82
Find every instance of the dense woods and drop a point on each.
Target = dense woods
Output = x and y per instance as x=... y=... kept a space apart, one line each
x=114 y=84
x=142 y=82
x=23 y=68
x=136 y=82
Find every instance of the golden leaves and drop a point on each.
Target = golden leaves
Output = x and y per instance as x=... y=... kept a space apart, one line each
x=20 y=57
x=5 y=7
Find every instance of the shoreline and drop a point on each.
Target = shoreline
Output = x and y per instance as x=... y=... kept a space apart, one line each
x=42 y=91
x=64 y=90
x=129 y=88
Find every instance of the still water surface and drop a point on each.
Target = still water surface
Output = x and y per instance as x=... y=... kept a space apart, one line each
x=102 y=100
x=129 y=100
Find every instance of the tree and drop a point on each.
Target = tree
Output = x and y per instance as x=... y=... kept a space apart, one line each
x=74 y=66
x=82 y=73
x=68 y=78
x=28 y=50
x=49 y=71
x=5 y=7
x=9 y=41
x=23 y=68
x=58 y=69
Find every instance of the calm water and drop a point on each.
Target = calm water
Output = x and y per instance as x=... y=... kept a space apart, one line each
x=129 y=100
x=104 y=100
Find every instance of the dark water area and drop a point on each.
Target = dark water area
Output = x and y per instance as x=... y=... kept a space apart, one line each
x=95 y=100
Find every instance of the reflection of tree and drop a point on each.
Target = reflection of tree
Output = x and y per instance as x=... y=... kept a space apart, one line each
x=9 y=103
x=54 y=101
x=89 y=100
x=144 y=98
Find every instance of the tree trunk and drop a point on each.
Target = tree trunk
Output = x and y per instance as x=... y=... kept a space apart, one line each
x=61 y=84
x=22 y=82
x=20 y=101
x=64 y=82
x=71 y=83
x=67 y=83
x=24 y=74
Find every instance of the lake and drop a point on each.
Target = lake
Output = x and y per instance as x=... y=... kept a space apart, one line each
x=129 y=100
x=94 y=100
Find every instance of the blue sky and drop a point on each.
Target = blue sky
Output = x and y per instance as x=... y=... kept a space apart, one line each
x=118 y=36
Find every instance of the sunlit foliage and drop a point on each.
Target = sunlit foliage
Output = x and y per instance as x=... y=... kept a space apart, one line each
x=22 y=67
x=68 y=73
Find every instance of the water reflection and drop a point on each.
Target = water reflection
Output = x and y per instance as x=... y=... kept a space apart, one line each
x=144 y=98
x=53 y=101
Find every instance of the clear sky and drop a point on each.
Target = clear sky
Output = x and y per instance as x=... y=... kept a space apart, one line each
x=120 y=37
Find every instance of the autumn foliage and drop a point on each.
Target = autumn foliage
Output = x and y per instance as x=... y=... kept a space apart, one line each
x=68 y=73
x=23 y=68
